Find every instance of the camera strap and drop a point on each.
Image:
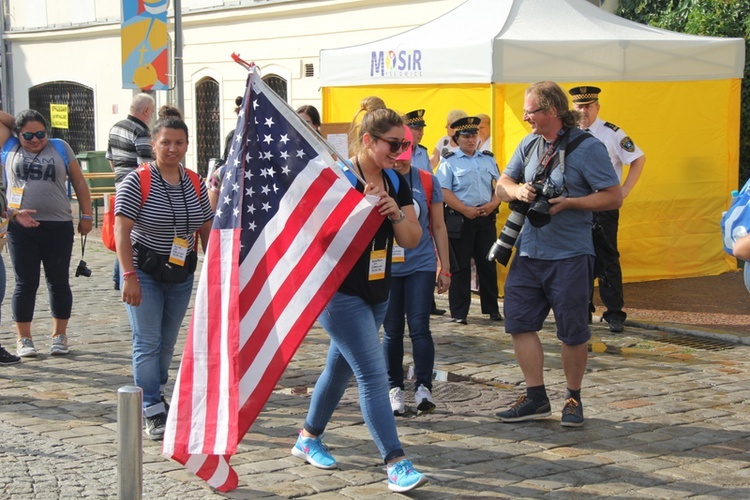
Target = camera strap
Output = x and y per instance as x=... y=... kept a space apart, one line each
x=542 y=170
x=83 y=245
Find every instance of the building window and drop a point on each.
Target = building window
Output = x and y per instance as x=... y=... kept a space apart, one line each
x=207 y=123
x=81 y=120
x=277 y=84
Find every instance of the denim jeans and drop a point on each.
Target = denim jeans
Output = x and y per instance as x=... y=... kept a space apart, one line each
x=156 y=323
x=355 y=348
x=49 y=245
x=2 y=282
x=411 y=296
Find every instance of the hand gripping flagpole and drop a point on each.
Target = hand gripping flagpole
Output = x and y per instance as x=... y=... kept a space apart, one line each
x=251 y=67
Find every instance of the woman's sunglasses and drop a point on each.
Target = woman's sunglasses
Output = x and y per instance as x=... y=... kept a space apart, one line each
x=395 y=145
x=30 y=135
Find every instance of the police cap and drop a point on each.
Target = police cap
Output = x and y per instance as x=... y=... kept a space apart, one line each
x=585 y=94
x=414 y=119
x=467 y=125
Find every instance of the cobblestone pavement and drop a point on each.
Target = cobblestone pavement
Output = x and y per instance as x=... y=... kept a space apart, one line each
x=666 y=417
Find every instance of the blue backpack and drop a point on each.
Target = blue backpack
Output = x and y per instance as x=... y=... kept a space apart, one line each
x=347 y=168
x=12 y=142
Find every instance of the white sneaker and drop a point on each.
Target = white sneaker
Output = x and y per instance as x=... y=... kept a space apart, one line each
x=25 y=347
x=59 y=345
x=397 y=400
x=423 y=398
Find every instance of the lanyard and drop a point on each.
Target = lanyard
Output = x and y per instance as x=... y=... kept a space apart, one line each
x=169 y=199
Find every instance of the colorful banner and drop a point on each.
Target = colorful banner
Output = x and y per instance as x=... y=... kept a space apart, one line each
x=58 y=114
x=144 y=44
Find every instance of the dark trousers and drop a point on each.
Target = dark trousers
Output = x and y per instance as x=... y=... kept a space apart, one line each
x=607 y=267
x=477 y=236
x=49 y=245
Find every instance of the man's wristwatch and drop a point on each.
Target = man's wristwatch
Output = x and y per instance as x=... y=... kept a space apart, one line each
x=401 y=217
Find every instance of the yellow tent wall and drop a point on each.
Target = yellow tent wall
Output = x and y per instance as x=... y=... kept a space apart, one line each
x=689 y=131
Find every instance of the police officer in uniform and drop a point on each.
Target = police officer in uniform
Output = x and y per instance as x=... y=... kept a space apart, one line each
x=420 y=158
x=622 y=151
x=468 y=179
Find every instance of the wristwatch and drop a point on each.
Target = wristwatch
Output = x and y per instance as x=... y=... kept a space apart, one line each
x=401 y=217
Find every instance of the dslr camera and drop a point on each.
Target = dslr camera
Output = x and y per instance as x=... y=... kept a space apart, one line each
x=83 y=269
x=537 y=212
x=503 y=247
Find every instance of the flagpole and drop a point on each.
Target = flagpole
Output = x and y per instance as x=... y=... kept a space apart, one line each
x=251 y=67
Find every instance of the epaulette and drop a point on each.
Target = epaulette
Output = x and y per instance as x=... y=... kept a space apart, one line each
x=612 y=126
x=420 y=146
x=488 y=153
x=448 y=154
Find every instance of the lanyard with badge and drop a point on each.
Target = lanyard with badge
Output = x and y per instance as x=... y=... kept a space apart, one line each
x=180 y=246
x=378 y=258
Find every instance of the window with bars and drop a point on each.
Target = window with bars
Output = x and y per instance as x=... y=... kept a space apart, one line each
x=277 y=84
x=207 y=123
x=80 y=133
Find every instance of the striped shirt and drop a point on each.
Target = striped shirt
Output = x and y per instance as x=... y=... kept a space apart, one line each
x=169 y=211
x=129 y=146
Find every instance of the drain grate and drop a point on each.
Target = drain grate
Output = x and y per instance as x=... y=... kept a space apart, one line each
x=702 y=344
x=454 y=391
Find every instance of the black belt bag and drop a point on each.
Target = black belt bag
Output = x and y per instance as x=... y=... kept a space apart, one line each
x=159 y=267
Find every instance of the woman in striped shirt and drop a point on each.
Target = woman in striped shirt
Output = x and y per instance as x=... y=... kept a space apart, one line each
x=158 y=210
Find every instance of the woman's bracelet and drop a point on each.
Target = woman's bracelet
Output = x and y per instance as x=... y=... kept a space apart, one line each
x=445 y=273
x=87 y=217
x=127 y=274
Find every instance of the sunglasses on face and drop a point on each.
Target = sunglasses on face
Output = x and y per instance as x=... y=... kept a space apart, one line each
x=395 y=145
x=30 y=135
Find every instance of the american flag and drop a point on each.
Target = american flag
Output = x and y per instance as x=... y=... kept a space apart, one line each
x=289 y=227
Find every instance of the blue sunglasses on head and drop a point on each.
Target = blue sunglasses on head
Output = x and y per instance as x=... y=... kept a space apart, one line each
x=30 y=135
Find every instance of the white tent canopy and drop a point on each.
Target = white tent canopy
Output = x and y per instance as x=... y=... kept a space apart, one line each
x=484 y=41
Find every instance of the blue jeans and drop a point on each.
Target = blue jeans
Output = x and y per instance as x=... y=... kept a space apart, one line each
x=2 y=282
x=355 y=348
x=156 y=323
x=411 y=296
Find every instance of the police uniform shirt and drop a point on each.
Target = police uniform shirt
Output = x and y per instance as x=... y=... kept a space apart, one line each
x=468 y=177
x=621 y=148
x=420 y=159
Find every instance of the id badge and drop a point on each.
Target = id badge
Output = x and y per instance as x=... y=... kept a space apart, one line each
x=3 y=228
x=179 y=251
x=398 y=254
x=377 y=265
x=16 y=196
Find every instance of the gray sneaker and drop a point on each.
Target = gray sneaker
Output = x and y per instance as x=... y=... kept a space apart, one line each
x=59 y=345
x=25 y=347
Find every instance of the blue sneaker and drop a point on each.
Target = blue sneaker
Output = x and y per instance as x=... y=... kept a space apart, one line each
x=402 y=477
x=313 y=451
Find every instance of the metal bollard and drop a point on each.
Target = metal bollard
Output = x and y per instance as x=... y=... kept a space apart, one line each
x=129 y=443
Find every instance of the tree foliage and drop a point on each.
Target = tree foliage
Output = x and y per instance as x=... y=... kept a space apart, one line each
x=725 y=18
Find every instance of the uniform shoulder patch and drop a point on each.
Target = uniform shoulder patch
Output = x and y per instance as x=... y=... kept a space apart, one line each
x=448 y=154
x=612 y=126
x=627 y=144
x=488 y=153
x=420 y=146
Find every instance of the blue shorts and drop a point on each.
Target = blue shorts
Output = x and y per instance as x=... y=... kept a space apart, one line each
x=535 y=286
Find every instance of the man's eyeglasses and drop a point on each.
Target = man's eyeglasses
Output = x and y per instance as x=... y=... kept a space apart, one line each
x=529 y=113
x=30 y=135
x=395 y=145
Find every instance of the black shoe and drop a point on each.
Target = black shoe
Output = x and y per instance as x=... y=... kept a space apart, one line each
x=525 y=409
x=460 y=321
x=155 y=426
x=616 y=326
x=572 y=414
x=7 y=358
x=496 y=317
x=437 y=312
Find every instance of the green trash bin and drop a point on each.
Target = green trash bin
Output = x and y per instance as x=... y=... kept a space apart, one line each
x=98 y=173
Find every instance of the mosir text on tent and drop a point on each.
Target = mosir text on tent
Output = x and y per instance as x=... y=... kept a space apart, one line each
x=396 y=63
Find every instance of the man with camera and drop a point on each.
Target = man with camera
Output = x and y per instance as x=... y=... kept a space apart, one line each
x=468 y=177
x=570 y=173
x=622 y=151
